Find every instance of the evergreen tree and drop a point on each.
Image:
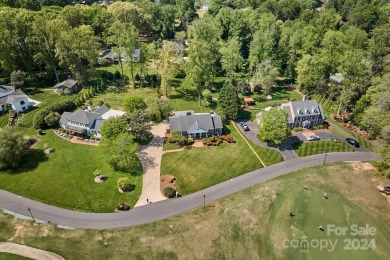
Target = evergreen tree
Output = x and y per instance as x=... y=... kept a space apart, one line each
x=229 y=102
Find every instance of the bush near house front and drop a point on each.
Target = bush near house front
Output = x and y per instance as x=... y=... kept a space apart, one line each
x=169 y=192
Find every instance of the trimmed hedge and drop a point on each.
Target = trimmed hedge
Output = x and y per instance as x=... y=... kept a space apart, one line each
x=40 y=117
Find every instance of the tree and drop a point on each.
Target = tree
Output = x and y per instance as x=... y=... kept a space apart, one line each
x=274 y=128
x=124 y=35
x=134 y=103
x=121 y=154
x=265 y=75
x=383 y=166
x=202 y=55
x=231 y=57
x=18 y=78
x=77 y=50
x=229 y=102
x=168 y=62
x=52 y=119
x=113 y=127
x=13 y=149
x=139 y=126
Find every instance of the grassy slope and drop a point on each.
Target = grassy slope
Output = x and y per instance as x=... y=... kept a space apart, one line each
x=250 y=224
x=310 y=148
x=65 y=178
x=7 y=256
x=199 y=168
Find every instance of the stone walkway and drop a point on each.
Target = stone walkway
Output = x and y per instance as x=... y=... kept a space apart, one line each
x=27 y=251
x=150 y=156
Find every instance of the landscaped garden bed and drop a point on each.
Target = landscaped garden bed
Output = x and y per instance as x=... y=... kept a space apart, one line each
x=217 y=140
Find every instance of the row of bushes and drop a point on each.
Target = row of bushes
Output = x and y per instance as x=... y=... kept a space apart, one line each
x=49 y=116
x=299 y=129
x=217 y=140
x=181 y=141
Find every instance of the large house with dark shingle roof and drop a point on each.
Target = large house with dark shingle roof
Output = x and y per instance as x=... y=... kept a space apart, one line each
x=196 y=125
x=86 y=121
x=304 y=114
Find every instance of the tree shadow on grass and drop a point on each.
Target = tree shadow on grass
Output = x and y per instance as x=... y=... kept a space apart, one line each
x=185 y=94
x=33 y=159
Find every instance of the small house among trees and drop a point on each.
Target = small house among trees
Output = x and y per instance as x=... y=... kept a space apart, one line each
x=16 y=99
x=69 y=85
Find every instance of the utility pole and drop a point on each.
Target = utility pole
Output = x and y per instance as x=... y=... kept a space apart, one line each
x=204 y=200
x=326 y=154
x=29 y=210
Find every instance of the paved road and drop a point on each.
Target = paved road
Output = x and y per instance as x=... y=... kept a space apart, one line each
x=285 y=148
x=167 y=208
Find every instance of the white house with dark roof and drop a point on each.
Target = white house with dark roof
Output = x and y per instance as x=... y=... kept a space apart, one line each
x=17 y=99
x=86 y=121
x=304 y=114
x=113 y=57
x=196 y=125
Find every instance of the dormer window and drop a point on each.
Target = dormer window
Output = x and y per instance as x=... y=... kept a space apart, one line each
x=315 y=110
x=22 y=102
x=307 y=111
x=299 y=111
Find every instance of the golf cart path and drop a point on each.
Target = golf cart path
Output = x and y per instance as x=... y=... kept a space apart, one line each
x=150 y=156
x=18 y=205
x=27 y=251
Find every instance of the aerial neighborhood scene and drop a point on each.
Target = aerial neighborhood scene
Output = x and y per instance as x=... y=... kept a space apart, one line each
x=191 y=129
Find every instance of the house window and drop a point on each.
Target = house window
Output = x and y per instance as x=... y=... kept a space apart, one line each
x=23 y=108
x=22 y=103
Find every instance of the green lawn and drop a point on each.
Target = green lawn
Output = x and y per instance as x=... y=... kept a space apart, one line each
x=199 y=168
x=268 y=156
x=3 y=120
x=47 y=97
x=65 y=178
x=279 y=95
x=316 y=147
x=7 y=256
x=251 y=224
x=169 y=146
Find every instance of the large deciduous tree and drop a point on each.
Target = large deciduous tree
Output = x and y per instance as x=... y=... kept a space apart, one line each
x=229 y=102
x=274 y=128
x=168 y=63
x=231 y=56
x=77 y=51
x=121 y=154
x=265 y=75
x=113 y=127
x=13 y=149
x=133 y=103
x=139 y=126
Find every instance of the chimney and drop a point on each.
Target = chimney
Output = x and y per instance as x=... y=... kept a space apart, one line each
x=89 y=108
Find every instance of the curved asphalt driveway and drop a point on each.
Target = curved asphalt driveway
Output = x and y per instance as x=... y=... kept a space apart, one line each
x=164 y=209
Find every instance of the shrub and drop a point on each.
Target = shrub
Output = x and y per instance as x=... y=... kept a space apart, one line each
x=190 y=141
x=297 y=129
x=97 y=172
x=169 y=192
x=124 y=184
x=230 y=139
x=92 y=137
x=39 y=132
x=97 y=138
x=79 y=138
x=170 y=140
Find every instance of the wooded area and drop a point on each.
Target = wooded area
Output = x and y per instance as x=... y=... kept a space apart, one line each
x=303 y=41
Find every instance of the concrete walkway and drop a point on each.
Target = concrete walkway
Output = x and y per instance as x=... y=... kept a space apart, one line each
x=150 y=156
x=27 y=251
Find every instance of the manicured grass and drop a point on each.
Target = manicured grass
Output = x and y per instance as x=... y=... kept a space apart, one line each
x=47 y=97
x=169 y=146
x=7 y=256
x=251 y=224
x=279 y=95
x=199 y=168
x=65 y=177
x=3 y=120
x=268 y=156
x=316 y=147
